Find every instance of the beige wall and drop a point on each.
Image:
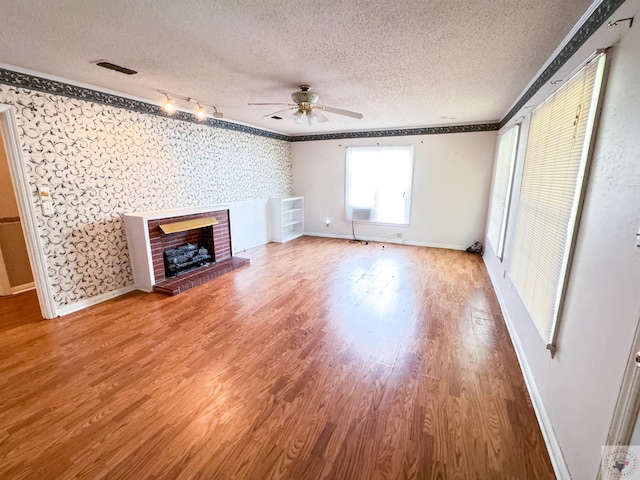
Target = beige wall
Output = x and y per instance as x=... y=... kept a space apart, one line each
x=8 y=206
x=12 y=245
x=451 y=183
x=14 y=252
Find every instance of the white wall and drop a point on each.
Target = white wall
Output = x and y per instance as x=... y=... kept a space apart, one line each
x=579 y=387
x=451 y=182
x=250 y=224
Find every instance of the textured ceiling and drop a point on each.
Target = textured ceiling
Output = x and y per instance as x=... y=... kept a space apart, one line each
x=403 y=64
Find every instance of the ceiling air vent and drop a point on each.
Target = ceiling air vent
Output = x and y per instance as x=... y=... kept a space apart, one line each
x=117 y=68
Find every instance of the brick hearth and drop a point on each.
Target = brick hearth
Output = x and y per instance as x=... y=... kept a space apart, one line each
x=176 y=285
x=216 y=238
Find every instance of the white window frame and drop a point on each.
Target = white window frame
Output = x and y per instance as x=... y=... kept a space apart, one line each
x=534 y=264
x=367 y=213
x=506 y=151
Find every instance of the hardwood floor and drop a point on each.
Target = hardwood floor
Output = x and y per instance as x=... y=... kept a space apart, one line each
x=322 y=359
x=19 y=310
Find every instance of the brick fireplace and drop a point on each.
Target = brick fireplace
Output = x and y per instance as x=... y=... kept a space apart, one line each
x=148 y=260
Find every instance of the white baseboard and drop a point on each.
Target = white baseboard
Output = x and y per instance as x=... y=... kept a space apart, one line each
x=397 y=241
x=544 y=421
x=82 y=304
x=448 y=246
x=23 y=288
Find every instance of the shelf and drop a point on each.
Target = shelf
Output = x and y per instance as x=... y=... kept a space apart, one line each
x=293 y=210
x=287 y=218
x=292 y=222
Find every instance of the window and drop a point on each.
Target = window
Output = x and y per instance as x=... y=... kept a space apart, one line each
x=555 y=164
x=503 y=180
x=378 y=184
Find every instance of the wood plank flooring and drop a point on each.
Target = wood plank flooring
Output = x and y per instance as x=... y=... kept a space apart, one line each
x=321 y=360
x=19 y=310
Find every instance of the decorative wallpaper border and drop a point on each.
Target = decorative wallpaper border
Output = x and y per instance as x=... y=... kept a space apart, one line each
x=32 y=82
x=482 y=127
x=588 y=28
x=597 y=18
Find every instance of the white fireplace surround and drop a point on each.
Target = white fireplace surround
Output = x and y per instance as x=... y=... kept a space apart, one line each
x=137 y=228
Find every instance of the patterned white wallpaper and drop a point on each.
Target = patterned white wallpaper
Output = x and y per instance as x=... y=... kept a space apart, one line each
x=101 y=161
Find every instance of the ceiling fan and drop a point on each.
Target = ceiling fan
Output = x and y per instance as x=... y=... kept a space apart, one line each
x=306 y=105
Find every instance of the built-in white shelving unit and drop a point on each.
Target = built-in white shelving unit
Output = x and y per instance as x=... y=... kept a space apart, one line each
x=287 y=218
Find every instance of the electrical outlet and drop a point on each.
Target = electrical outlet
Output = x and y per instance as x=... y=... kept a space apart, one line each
x=398 y=235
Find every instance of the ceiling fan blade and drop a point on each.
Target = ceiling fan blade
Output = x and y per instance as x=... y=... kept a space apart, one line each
x=321 y=118
x=279 y=111
x=290 y=104
x=339 y=111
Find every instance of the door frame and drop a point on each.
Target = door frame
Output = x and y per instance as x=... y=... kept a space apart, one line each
x=10 y=135
x=627 y=407
x=5 y=285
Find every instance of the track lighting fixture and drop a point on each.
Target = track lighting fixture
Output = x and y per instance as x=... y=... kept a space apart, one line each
x=216 y=113
x=200 y=113
x=168 y=104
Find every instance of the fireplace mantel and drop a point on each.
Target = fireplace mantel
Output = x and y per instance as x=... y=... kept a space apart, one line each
x=144 y=239
x=176 y=212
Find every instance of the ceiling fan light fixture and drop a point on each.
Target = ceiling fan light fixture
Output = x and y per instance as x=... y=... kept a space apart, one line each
x=306 y=104
x=312 y=117
x=297 y=117
x=304 y=95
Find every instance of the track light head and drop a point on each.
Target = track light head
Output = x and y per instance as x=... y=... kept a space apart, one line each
x=200 y=112
x=168 y=104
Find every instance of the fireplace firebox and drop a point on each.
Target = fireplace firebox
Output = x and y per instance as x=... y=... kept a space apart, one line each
x=185 y=258
x=173 y=252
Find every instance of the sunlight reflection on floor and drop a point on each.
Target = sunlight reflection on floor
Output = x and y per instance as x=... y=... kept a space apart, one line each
x=372 y=312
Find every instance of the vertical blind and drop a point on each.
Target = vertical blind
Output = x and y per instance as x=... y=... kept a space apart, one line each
x=554 y=169
x=503 y=180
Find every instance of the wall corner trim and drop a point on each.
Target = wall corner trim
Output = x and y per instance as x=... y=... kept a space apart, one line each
x=544 y=420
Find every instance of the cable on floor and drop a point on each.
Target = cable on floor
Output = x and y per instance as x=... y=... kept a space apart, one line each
x=355 y=239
